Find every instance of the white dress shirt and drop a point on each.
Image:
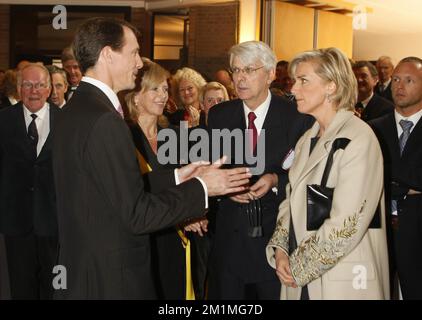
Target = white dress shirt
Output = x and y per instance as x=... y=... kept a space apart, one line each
x=42 y=122
x=260 y=112
x=111 y=95
x=414 y=118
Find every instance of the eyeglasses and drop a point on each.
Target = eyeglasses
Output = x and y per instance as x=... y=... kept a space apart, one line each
x=247 y=70
x=37 y=86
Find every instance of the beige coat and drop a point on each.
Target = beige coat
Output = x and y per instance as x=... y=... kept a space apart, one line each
x=335 y=260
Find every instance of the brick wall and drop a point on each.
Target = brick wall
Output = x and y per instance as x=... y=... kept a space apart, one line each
x=4 y=36
x=143 y=21
x=212 y=31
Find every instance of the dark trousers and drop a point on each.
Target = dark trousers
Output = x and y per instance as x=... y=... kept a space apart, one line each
x=226 y=286
x=201 y=247
x=409 y=249
x=30 y=260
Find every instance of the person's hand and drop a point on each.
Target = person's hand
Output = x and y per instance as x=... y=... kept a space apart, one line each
x=263 y=185
x=194 y=116
x=224 y=181
x=191 y=170
x=199 y=226
x=244 y=197
x=283 y=269
x=413 y=192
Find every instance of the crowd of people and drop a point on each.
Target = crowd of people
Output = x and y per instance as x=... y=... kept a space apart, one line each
x=335 y=212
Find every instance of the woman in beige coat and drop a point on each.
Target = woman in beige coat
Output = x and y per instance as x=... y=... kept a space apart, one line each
x=346 y=256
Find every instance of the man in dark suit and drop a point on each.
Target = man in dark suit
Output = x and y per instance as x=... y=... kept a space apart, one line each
x=27 y=199
x=369 y=105
x=246 y=221
x=73 y=71
x=400 y=136
x=104 y=214
x=385 y=69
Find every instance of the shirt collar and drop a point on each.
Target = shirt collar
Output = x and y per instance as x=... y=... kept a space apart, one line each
x=111 y=95
x=414 y=118
x=386 y=83
x=366 y=101
x=261 y=109
x=40 y=113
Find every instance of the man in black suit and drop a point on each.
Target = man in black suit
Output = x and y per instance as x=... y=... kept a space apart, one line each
x=73 y=71
x=27 y=198
x=400 y=136
x=104 y=214
x=385 y=69
x=246 y=221
x=369 y=105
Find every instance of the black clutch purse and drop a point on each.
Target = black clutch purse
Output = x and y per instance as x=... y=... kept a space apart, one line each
x=319 y=197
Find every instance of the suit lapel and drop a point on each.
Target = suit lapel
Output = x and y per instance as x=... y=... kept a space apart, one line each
x=307 y=162
x=414 y=141
x=47 y=144
x=392 y=134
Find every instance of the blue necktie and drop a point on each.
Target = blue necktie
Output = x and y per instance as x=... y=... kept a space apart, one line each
x=406 y=126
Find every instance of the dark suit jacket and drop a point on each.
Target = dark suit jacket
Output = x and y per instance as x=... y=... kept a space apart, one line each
x=387 y=94
x=401 y=174
x=376 y=107
x=4 y=102
x=104 y=214
x=27 y=198
x=233 y=249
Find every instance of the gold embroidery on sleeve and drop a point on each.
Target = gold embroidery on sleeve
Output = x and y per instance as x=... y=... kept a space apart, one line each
x=314 y=257
x=280 y=236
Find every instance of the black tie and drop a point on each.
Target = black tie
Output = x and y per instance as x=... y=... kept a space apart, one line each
x=32 y=131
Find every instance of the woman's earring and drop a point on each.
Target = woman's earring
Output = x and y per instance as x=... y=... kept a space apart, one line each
x=328 y=97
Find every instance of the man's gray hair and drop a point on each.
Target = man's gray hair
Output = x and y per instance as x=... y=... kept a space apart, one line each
x=250 y=52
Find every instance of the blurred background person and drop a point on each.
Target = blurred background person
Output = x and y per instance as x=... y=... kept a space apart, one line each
x=9 y=93
x=211 y=94
x=282 y=83
x=314 y=257
x=369 y=104
x=223 y=76
x=73 y=71
x=186 y=86
x=385 y=67
x=59 y=85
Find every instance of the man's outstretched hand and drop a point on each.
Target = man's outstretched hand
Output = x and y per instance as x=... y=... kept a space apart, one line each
x=218 y=181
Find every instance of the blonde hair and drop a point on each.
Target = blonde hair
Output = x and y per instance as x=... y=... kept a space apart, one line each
x=332 y=65
x=150 y=76
x=185 y=74
x=213 y=85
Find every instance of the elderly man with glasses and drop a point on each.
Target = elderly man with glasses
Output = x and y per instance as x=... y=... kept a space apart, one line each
x=27 y=198
x=246 y=221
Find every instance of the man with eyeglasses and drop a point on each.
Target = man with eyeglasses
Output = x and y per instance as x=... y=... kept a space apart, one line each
x=27 y=198
x=246 y=221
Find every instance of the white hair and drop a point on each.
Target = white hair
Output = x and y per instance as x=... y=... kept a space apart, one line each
x=250 y=52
